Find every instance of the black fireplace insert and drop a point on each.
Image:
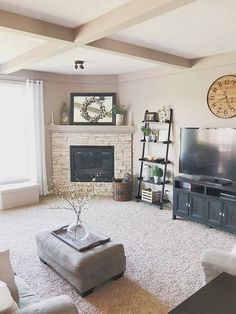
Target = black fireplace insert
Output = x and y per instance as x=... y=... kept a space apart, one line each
x=92 y=163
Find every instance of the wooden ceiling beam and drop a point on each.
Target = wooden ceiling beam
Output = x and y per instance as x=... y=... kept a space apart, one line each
x=141 y=53
x=59 y=39
x=28 y=26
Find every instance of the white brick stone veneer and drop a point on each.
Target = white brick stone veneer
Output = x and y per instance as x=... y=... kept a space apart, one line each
x=76 y=135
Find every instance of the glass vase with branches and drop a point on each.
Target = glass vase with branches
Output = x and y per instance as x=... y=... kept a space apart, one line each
x=78 y=197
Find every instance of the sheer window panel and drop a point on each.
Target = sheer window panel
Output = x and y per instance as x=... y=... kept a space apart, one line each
x=14 y=154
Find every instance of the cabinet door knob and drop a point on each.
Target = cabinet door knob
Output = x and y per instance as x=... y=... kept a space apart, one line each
x=187 y=204
x=220 y=214
x=223 y=214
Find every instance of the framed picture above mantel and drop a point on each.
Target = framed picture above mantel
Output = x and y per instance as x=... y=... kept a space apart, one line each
x=92 y=108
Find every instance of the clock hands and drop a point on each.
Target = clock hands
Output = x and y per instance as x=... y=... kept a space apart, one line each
x=231 y=108
x=214 y=105
x=227 y=101
x=221 y=99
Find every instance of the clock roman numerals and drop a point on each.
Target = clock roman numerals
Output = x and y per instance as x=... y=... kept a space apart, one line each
x=221 y=97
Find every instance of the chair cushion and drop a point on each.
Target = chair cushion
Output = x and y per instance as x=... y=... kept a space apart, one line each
x=7 y=304
x=27 y=297
x=7 y=274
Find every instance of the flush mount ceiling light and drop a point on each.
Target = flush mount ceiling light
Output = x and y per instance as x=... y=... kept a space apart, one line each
x=79 y=63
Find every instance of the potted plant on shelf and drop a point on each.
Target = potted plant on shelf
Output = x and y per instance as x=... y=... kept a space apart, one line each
x=154 y=135
x=119 y=111
x=157 y=173
x=147 y=172
x=146 y=132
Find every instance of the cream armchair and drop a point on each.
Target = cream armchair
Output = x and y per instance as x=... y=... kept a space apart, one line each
x=216 y=261
x=29 y=303
x=16 y=297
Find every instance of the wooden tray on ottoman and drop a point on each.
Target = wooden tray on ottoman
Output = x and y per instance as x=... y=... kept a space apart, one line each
x=80 y=244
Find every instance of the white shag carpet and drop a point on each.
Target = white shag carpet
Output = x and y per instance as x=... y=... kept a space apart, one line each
x=163 y=255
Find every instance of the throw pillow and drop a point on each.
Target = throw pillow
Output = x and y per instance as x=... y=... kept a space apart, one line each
x=7 y=274
x=7 y=304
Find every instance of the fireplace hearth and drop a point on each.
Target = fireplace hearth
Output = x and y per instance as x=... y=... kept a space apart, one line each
x=91 y=163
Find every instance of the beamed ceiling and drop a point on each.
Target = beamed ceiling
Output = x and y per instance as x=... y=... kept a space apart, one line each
x=113 y=36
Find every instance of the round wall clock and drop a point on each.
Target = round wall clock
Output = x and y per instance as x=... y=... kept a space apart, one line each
x=221 y=97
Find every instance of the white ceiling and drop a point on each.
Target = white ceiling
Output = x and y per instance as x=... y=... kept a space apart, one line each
x=95 y=63
x=202 y=28
x=70 y=13
x=13 y=45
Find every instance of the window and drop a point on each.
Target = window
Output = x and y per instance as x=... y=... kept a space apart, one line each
x=14 y=152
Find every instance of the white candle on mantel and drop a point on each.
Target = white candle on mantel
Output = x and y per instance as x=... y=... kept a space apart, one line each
x=52 y=119
x=130 y=121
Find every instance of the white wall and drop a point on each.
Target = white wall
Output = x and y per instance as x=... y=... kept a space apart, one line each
x=185 y=92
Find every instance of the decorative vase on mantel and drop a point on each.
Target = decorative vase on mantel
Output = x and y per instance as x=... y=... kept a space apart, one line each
x=76 y=231
x=119 y=119
x=65 y=114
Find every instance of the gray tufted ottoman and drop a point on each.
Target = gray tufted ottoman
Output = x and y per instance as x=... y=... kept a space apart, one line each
x=84 y=270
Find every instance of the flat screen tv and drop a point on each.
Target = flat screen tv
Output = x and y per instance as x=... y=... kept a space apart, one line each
x=208 y=152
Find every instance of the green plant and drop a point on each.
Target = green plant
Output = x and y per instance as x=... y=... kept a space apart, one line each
x=146 y=130
x=118 y=109
x=154 y=171
x=157 y=172
x=160 y=172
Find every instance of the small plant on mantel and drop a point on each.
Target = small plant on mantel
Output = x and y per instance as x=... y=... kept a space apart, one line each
x=119 y=111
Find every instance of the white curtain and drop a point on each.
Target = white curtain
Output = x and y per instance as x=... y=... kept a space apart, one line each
x=14 y=159
x=36 y=134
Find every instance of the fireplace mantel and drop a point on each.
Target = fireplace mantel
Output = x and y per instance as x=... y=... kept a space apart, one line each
x=123 y=129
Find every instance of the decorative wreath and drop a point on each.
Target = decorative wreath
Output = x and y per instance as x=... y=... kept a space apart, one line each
x=93 y=100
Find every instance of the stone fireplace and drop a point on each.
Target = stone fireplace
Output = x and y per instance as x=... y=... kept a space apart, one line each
x=116 y=139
